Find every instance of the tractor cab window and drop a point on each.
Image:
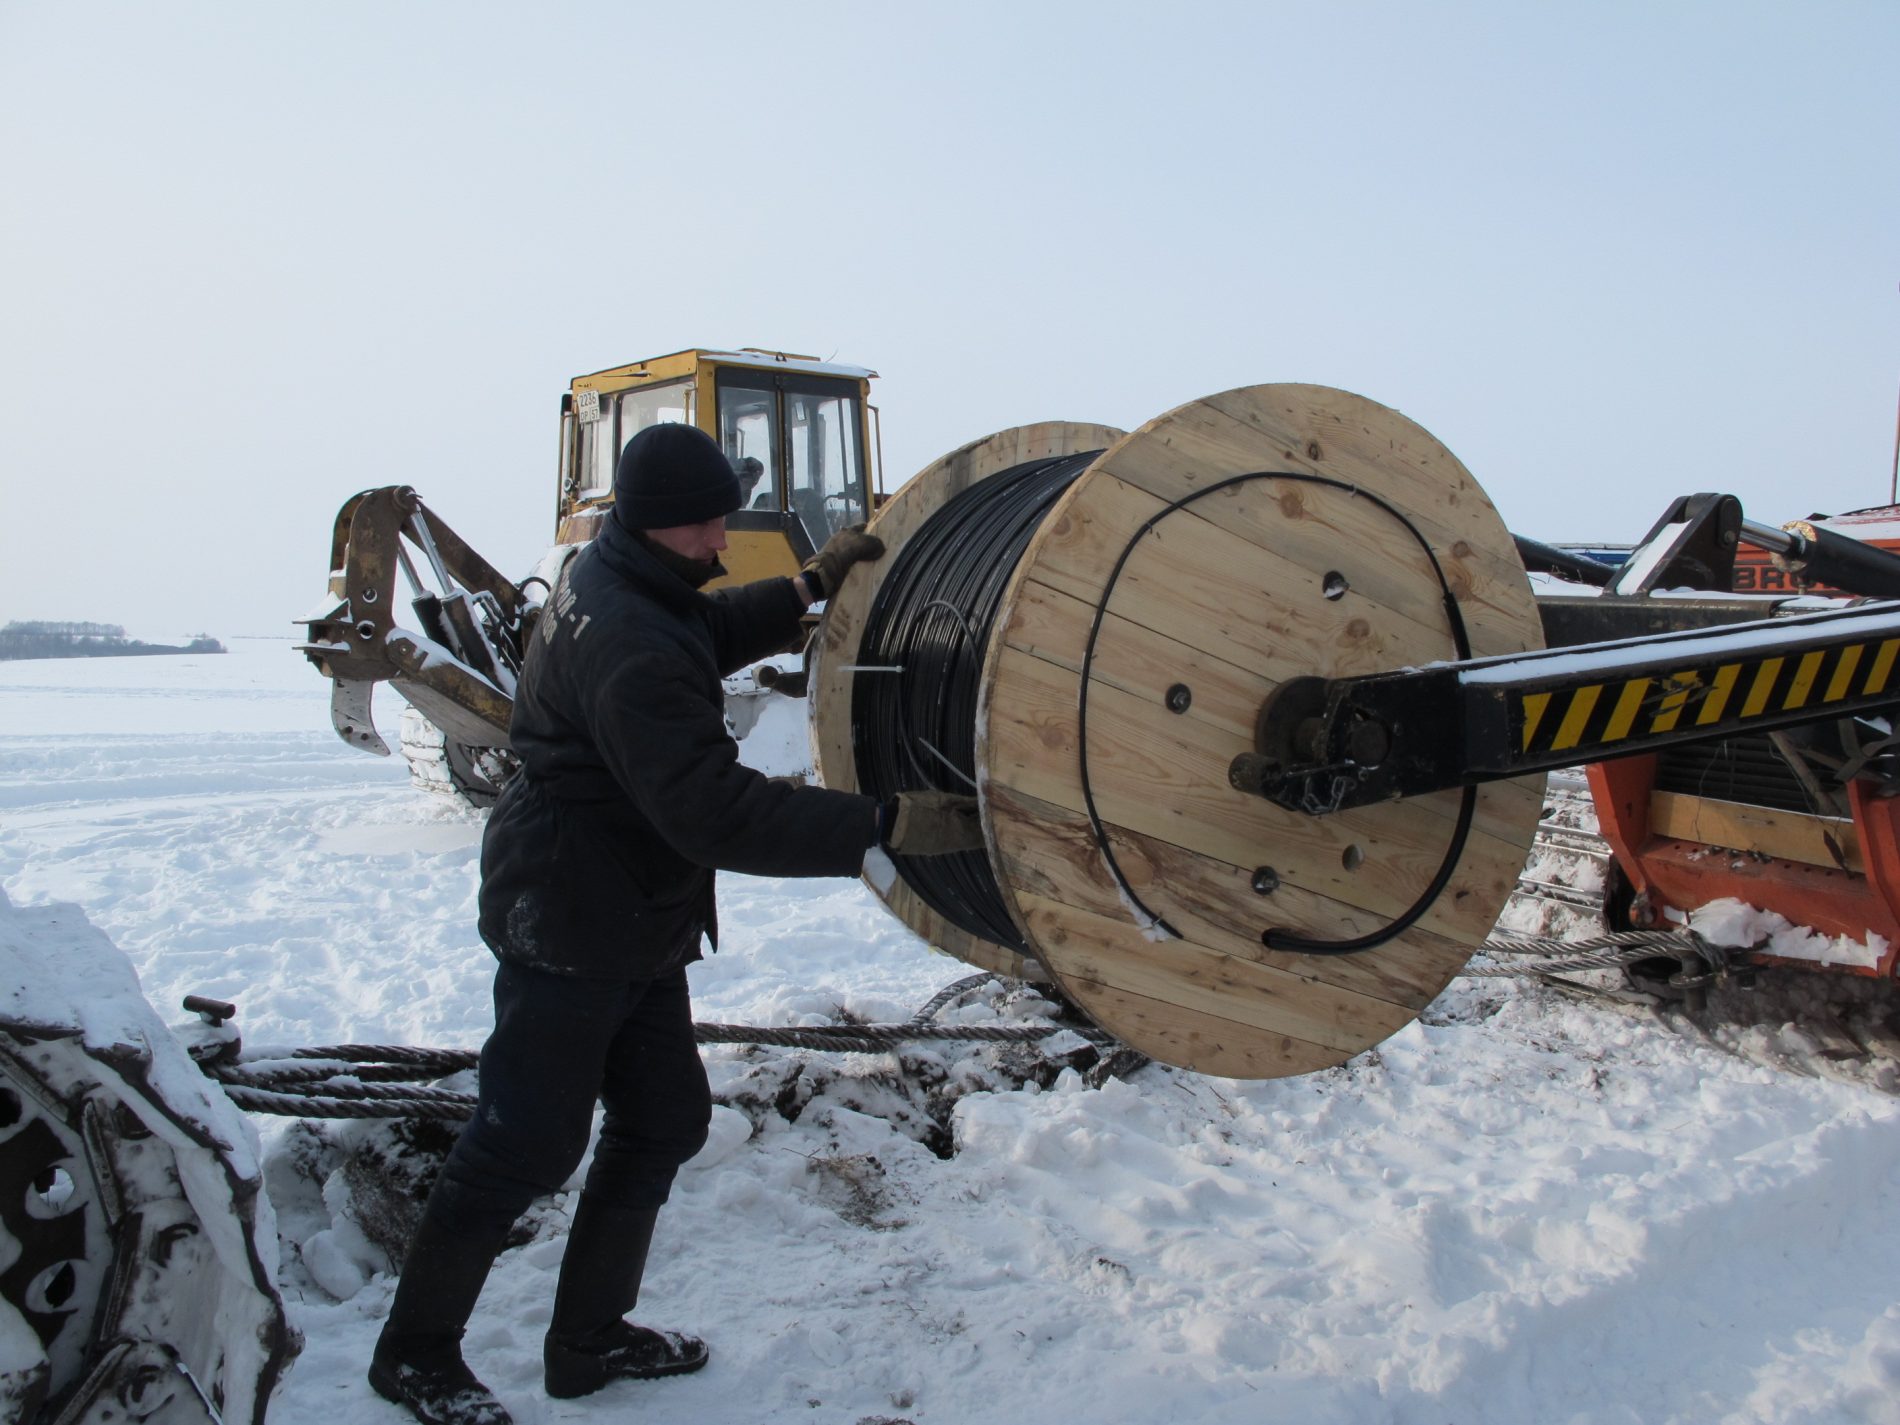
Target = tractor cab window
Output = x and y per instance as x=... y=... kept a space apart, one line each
x=608 y=422
x=825 y=460
x=747 y=417
x=796 y=441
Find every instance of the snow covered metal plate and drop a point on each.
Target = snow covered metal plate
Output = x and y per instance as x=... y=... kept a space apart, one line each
x=139 y=1250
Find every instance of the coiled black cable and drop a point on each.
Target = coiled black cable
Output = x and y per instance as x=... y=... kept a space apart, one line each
x=920 y=661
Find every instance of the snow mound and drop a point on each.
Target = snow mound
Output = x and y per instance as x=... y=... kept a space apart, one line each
x=1735 y=923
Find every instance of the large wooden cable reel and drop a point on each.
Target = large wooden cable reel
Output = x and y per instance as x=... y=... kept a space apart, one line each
x=1194 y=566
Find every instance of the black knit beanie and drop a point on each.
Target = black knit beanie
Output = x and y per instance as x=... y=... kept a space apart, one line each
x=673 y=474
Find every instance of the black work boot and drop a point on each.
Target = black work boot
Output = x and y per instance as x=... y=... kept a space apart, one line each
x=418 y=1361
x=588 y=1344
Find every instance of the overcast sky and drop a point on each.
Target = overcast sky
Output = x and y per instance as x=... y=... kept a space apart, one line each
x=255 y=257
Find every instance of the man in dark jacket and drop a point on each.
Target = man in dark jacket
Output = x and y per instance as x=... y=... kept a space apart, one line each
x=597 y=888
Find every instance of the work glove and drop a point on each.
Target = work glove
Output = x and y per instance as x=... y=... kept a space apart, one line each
x=931 y=823
x=825 y=570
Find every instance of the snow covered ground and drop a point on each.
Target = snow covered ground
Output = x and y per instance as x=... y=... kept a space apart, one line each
x=1516 y=1210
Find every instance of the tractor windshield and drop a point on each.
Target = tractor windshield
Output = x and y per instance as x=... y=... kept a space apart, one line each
x=796 y=442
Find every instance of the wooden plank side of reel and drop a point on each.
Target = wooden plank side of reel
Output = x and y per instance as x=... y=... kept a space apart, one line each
x=1228 y=586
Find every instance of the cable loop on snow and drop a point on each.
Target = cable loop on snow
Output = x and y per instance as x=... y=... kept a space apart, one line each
x=383 y=1080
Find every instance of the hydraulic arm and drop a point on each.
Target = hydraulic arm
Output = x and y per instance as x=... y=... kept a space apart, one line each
x=1323 y=744
x=1631 y=672
x=459 y=665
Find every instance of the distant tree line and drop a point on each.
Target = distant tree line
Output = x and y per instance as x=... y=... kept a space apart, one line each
x=87 y=640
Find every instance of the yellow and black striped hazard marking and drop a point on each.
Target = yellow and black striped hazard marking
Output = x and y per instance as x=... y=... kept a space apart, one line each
x=1717 y=696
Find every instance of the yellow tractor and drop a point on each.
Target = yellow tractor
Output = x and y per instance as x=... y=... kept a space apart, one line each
x=801 y=434
x=797 y=430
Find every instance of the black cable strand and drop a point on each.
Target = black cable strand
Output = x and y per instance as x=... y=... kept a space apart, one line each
x=1461 y=642
x=932 y=617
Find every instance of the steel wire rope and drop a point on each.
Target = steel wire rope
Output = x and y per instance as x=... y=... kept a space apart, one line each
x=915 y=729
x=1603 y=952
x=265 y=1084
x=332 y=1080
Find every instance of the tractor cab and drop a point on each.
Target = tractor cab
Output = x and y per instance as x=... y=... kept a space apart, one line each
x=797 y=430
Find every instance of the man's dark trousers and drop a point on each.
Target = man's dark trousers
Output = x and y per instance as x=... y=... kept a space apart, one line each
x=560 y=1042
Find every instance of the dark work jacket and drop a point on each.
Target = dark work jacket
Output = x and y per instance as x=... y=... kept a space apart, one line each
x=598 y=859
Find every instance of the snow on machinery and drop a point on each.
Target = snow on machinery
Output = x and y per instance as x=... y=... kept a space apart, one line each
x=800 y=433
x=138 y=1251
